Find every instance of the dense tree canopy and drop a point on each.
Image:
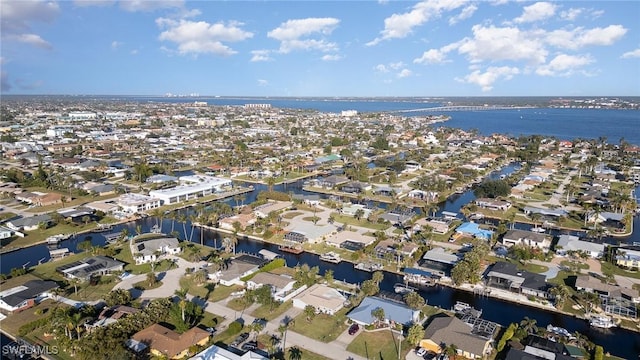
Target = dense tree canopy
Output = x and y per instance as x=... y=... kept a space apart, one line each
x=492 y=189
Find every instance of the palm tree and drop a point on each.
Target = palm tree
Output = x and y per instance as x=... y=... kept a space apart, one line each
x=183 y=219
x=295 y=353
x=378 y=314
x=529 y=325
x=271 y=181
x=182 y=295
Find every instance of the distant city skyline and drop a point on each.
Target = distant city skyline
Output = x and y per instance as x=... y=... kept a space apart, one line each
x=321 y=48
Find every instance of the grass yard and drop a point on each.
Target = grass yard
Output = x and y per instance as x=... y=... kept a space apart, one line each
x=292 y=214
x=306 y=355
x=608 y=268
x=237 y=304
x=322 y=327
x=266 y=312
x=378 y=345
x=364 y=223
x=144 y=285
x=209 y=291
x=13 y=321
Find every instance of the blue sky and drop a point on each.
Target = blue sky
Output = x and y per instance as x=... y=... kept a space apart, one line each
x=321 y=48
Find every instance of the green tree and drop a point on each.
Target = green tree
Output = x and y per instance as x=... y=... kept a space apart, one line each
x=295 y=353
x=415 y=334
x=310 y=312
x=378 y=314
x=414 y=300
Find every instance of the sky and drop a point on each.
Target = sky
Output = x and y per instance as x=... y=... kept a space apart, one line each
x=320 y=48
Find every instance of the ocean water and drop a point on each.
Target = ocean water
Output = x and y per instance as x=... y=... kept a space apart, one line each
x=565 y=124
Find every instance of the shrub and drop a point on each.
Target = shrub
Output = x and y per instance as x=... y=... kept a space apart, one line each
x=234 y=328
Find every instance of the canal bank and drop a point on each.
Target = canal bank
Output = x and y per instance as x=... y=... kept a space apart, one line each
x=494 y=309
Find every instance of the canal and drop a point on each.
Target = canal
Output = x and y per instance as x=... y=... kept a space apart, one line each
x=619 y=342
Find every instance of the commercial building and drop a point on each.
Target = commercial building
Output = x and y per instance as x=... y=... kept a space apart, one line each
x=136 y=203
x=192 y=187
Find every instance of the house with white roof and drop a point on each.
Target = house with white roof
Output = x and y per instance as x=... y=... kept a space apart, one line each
x=324 y=299
x=148 y=247
x=567 y=243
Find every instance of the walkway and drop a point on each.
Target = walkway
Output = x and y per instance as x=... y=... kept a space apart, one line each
x=334 y=349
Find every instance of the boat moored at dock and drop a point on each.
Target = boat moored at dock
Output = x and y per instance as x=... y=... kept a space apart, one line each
x=331 y=257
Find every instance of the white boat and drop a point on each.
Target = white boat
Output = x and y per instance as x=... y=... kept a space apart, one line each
x=331 y=257
x=368 y=266
x=560 y=331
x=55 y=239
x=602 y=322
x=538 y=230
x=403 y=289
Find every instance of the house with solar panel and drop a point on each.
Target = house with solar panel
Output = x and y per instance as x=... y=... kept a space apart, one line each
x=89 y=267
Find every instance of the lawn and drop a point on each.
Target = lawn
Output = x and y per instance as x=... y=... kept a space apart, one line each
x=378 y=345
x=265 y=312
x=348 y=220
x=608 y=268
x=210 y=320
x=13 y=321
x=209 y=291
x=322 y=327
x=306 y=355
x=144 y=285
x=292 y=214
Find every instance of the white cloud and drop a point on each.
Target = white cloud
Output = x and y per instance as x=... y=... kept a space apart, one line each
x=260 y=55
x=262 y=82
x=631 y=54
x=293 y=34
x=115 y=44
x=87 y=3
x=334 y=57
x=31 y=39
x=17 y=17
x=571 y=14
x=466 y=13
x=502 y=43
x=200 y=37
x=381 y=68
x=563 y=65
x=149 y=5
x=432 y=56
x=134 y=52
x=399 y=26
x=580 y=37
x=396 y=65
x=536 y=12
x=404 y=73
x=486 y=79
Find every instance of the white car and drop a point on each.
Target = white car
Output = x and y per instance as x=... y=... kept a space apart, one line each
x=421 y=351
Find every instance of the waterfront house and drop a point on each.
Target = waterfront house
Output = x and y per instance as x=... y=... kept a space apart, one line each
x=146 y=248
x=352 y=209
x=443 y=331
x=237 y=268
x=395 y=313
x=164 y=342
x=330 y=182
x=264 y=210
x=625 y=257
x=527 y=238
x=507 y=276
x=493 y=204
x=30 y=223
x=324 y=299
x=474 y=230
x=550 y=214
x=5 y=232
x=437 y=225
x=89 y=267
x=243 y=220
x=571 y=243
x=350 y=240
x=27 y=295
x=355 y=187
x=440 y=261
x=280 y=285
x=592 y=284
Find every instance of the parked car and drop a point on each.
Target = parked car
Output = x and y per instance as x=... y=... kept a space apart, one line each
x=421 y=351
x=353 y=329
x=250 y=346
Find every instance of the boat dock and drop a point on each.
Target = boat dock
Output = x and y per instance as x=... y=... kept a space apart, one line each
x=368 y=266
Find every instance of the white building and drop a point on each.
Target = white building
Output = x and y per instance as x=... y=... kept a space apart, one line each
x=324 y=299
x=82 y=115
x=568 y=243
x=148 y=249
x=131 y=203
x=192 y=187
